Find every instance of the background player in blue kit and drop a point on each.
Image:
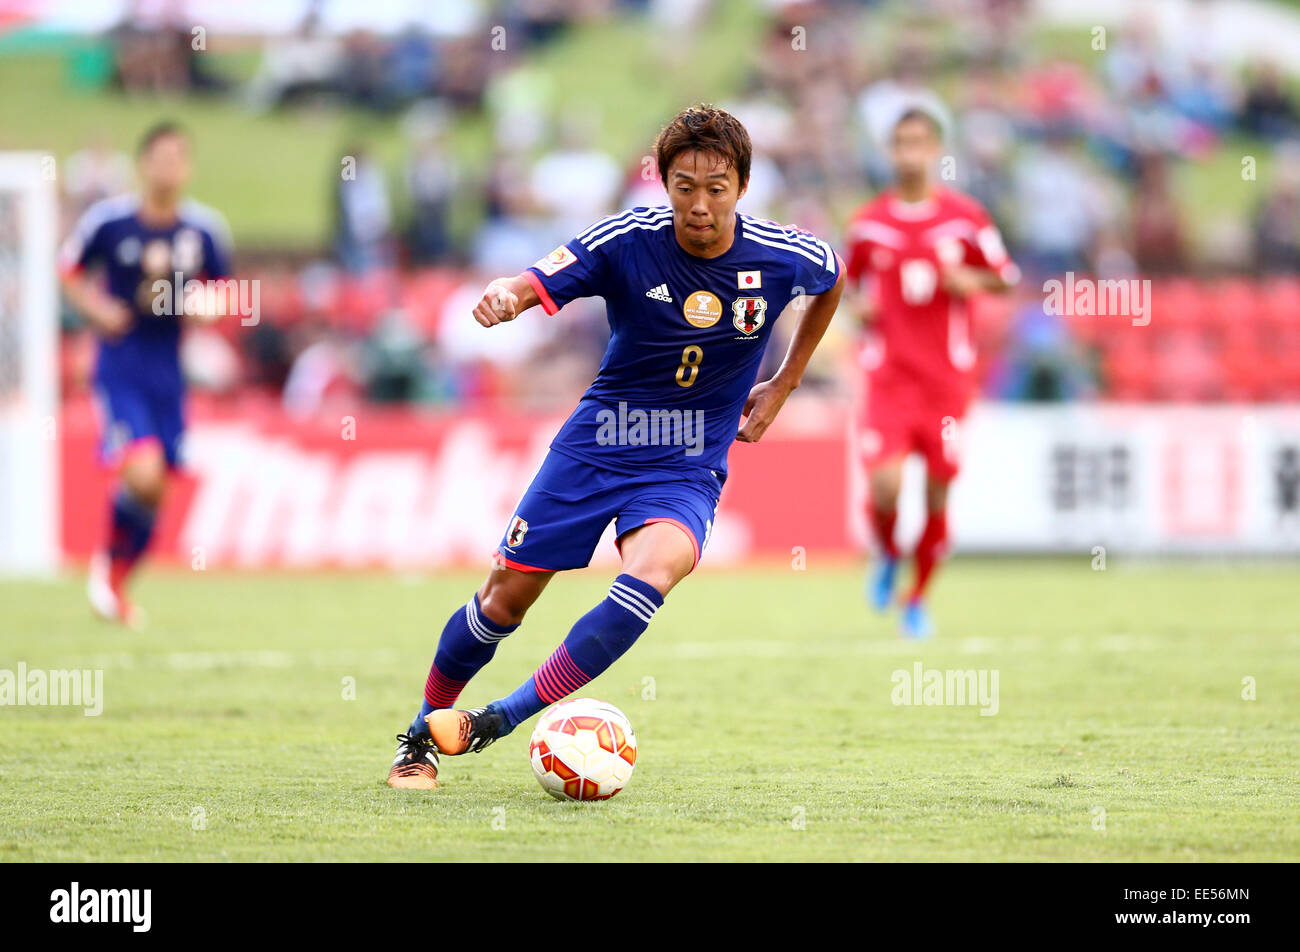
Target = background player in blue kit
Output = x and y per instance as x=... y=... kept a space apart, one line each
x=692 y=290
x=138 y=241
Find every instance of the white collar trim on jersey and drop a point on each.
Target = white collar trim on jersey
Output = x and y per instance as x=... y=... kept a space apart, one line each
x=912 y=211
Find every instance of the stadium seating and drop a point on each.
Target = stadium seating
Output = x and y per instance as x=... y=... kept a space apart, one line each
x=1224 y=339
x=1209 y=340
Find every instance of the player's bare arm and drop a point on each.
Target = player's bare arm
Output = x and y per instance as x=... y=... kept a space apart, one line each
x=106 y=314
x=767 y=398
x=863 y=304
x=964 y=280
x=504 y=299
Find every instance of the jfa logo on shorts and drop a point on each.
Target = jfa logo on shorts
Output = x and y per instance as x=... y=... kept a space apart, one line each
x=518 y=529
x=748 y=313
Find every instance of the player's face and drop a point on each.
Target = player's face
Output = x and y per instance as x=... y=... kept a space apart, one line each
x=703 y=190
x=165 y=165
x=915 y=149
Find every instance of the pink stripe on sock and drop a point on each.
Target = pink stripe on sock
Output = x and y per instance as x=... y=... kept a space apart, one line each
x=440 y=690
x=558 y=677
x=548 y=686
x=569 y=672
x=545 y=692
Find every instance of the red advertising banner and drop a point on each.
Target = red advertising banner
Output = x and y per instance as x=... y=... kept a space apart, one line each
x=404 y=489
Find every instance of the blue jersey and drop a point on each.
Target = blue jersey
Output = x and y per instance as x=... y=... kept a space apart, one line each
x=133 y=256
x=687 y=334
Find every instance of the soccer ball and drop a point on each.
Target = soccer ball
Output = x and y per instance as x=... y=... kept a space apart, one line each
x=583 y=750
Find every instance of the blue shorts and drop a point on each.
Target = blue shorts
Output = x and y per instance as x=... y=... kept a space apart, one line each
x=131 y=416
x=571 y=502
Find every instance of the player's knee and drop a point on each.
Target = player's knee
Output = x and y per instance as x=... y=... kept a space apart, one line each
x=145 y=475
x=504 y=604
x=936 y=495
x=503 y=608
x=884 y=490
x=661 y=580
x=660 y=574
x=148 y=489
x=660 y=554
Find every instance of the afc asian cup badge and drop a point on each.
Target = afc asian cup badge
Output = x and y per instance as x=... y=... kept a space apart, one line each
x=702 y=309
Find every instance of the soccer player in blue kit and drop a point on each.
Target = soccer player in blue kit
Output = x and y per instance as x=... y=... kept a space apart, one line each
x=142 y=243
x=692 y=290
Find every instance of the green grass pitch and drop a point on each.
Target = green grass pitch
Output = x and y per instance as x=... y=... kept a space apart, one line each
x=762 y=702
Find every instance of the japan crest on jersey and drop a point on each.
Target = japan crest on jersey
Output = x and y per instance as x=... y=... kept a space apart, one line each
x=518 y=529
x=748 y=314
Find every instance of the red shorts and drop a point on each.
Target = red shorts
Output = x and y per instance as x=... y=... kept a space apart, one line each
x=903 y=415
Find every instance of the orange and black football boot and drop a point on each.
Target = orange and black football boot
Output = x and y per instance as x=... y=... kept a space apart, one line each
x=416 y=765
x=456 y=732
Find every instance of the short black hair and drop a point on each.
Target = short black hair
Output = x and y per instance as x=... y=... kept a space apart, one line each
x=707 y=129
x=923 y=114
x=160 y=130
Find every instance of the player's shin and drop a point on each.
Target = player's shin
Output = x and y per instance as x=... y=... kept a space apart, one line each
x=930 y=550
x=882 y=529
x=468 y=642
x=597 y=640
x=131 y=528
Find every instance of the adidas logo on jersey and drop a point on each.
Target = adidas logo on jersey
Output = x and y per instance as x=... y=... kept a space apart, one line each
x=660 y=294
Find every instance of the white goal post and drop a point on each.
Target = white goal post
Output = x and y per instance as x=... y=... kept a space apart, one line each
x=29 y=465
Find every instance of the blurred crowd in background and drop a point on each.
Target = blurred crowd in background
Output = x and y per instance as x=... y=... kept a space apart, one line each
x=1082 y=161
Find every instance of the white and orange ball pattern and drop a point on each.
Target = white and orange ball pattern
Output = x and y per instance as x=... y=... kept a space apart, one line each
x=583 y=749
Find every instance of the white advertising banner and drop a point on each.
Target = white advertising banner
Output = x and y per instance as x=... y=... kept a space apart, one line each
x=1139 y=478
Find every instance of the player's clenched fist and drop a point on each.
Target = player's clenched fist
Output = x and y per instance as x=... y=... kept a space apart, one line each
x=111 y=317
x=761 y=407
x=498 y=304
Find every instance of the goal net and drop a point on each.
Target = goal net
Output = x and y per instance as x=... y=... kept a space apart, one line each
x=29 y=475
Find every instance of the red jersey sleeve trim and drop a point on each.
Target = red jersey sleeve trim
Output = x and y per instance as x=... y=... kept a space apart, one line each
x=548 y=305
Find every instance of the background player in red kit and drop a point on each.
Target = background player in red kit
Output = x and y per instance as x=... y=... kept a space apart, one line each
x=917 y=252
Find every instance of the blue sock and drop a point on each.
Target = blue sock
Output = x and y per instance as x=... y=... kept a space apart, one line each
x=468 y=642
x=597 y=640
x=132 y=528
